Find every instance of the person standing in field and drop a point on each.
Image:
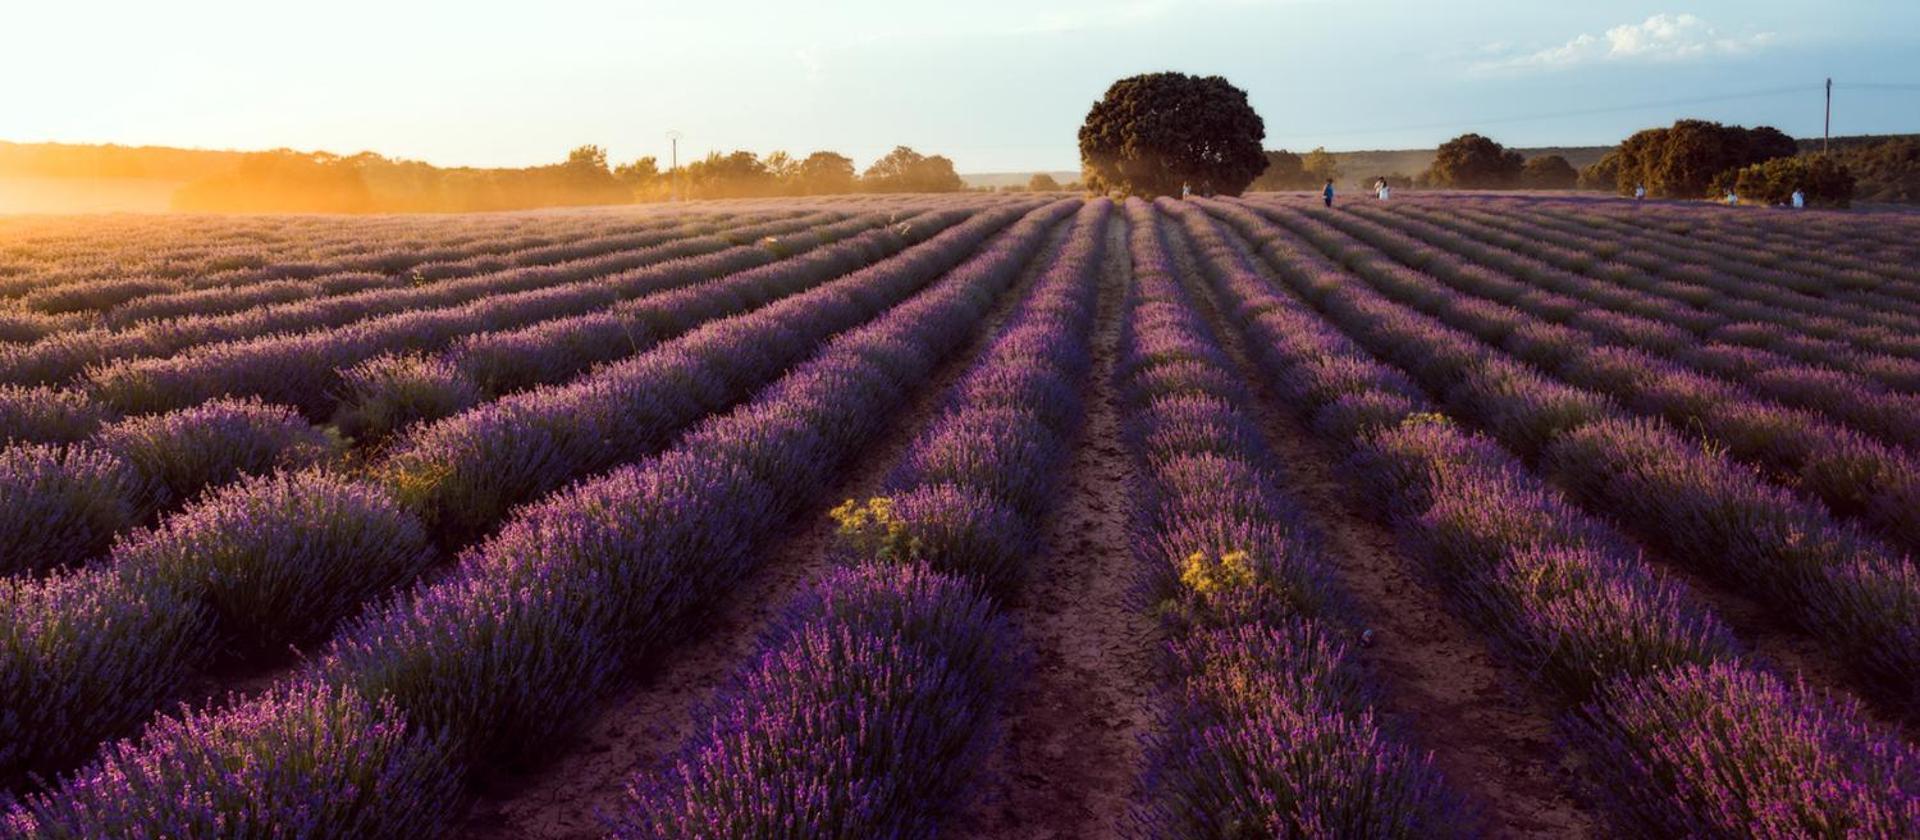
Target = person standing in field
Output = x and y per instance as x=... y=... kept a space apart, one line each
x=1799 y=199
x=1327 y=194
x=1639 y=192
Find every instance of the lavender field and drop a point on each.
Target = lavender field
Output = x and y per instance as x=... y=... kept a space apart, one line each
x=973 y=515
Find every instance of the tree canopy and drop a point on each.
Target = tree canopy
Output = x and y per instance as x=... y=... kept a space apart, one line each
x=1548 y=172
x=1823 y=180
x=1042 y=182
x=1474 y=162
x=1158 y=133
x=1685 y=159
x=905 y=170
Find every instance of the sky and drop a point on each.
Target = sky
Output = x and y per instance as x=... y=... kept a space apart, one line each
x=996 y=85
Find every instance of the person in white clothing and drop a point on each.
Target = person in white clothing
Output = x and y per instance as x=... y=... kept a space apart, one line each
x=1733 y=198
x=1639 y=192
x=1386 y=191
x=1799 y=198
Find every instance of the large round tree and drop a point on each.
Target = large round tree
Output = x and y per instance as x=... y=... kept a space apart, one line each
x=1156 y=133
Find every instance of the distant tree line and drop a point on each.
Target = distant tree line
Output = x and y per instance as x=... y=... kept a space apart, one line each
x=743 y=174
x=284 y=180
x=1468 y=162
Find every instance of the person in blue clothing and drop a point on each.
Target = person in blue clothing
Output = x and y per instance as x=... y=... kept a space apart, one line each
x=1327 y=194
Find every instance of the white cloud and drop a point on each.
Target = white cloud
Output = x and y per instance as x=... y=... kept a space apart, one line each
x=1660 y=38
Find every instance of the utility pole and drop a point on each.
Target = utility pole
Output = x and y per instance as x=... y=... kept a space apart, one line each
x=674 y=167
x=1826 y=134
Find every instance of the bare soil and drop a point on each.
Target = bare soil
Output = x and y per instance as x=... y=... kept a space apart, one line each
x=639 y=727
x=1439 y=685
x=1074 y=750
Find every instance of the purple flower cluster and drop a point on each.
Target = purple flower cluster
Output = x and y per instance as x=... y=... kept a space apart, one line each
x=306 y=760
x=860 y=717
x=1268 y=732
x=302 y=369
x=183 y=452
x=252 y=568
x=49 y=415
x=69 y=355
x=1560 y=592
x=63 y=505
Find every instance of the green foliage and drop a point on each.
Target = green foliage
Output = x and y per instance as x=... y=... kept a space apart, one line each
x=1162 y=133
x=736 y=175
x=1548 y=172
x=824 y=173
x=1474 y=162
x=1685 y=159
x=1824 y=180
x=905 y=170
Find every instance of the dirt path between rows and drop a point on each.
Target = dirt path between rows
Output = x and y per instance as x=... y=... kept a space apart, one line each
x=639 y=727
x=1074 y=752
x=1441 y=688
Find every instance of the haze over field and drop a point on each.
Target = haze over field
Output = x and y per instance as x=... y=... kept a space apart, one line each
x=995 y=85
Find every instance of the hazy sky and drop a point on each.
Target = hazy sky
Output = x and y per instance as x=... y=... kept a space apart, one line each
x=994 y=84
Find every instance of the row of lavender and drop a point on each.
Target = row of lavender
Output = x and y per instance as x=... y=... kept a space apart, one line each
x=76 y=357
x=870 y=705
x=321 y=362
x=1880 y=245
x=67 y=503
x=1659 y=373
x=1268 y=731
x=99 y=647
x=215 y=252
x=1681 y=290
x=112 y=283
x=47 y=253
x=378 y=737
x=117 y=300
x=1856 y=594
x=1686 y=736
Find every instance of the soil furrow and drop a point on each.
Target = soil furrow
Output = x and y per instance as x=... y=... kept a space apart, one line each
x=1074 y=749
x=1492 y=736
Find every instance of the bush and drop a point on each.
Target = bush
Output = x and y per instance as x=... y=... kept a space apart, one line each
x=279 y=559
x=63 y=505
x=306 y=761
x=1548 y=172
x=49 y=415
x=1728 y=751
x=1825 y=181
x=1473 y=162
x=186 y=451
x=85 y=656
x=388 y=393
